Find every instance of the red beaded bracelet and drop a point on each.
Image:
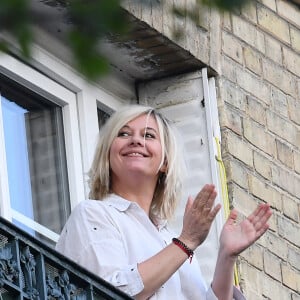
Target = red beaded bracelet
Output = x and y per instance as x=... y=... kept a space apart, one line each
x=189 y=252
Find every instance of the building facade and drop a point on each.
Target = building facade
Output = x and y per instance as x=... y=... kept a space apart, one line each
x=256 y=55
x=231 y=83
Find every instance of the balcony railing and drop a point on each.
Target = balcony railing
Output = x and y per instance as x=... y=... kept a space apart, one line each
x=29 y=269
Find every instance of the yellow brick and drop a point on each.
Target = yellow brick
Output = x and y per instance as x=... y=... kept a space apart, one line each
x=230 y=119
x=270 y=3
x=297 y=161
x=237 y=173
x=232 y=47
x=279 y=102
x=265 y=192
x=273 y=50
x=283 y=129
x=258 y=136
x=254 y=85
x=286 y=180
x=294 y=110
x=269 y=21
x=231 y=94
x=249 y=33
x=279 y=77
x=252 y=278
x=294 y=257
x=290 y=208
x=250 y=11
x=252 y=60
x=272 y=289
x=291 y=278
x=275 y=244
x=295 y=39
x=256 y=110
x=285 y=154
x=254 y=255
x=289 y=12
x=291 y=61
x=226 y=21
x=239 y=149
x=272 y=265
x=262 y=165
x=239 y=198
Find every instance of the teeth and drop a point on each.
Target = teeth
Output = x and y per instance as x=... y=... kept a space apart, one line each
x=135 y=154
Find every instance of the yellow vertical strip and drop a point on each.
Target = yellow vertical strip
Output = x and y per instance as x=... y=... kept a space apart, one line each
x=225 y=198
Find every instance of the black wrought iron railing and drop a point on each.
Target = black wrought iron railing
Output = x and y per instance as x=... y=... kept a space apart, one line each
x=29 y=269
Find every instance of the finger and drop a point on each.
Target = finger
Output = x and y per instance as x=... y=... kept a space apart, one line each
x=206 y=197
x=258 y=212
x=232 y=217
x=202 y=196
x=208 y=209
x=262 y=231
x=214 y=211
x=263 y=219
x=259 y=222
x=262 y=213
x=189 y=204
x=254 y=214
x=211 y=199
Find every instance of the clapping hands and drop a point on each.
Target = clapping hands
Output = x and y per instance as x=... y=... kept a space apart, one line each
x=235 y=237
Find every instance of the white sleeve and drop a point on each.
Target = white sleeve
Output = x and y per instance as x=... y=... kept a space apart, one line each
x=97 y=246
x=237 y=295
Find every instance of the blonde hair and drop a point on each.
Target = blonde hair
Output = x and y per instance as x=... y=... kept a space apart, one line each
x=168 y=188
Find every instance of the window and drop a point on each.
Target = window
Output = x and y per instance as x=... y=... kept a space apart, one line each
x=41 y=174
x=35 y=157
x=103 y=116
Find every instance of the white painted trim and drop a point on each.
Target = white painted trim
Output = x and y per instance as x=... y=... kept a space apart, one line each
x=213 y=130
x=34 y=80
x=73 y=153
x=35 y=226
x=5 y=211
x=88 y=126
x=57 y=93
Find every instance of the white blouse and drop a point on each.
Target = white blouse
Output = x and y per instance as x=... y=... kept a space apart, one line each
x=110 y=237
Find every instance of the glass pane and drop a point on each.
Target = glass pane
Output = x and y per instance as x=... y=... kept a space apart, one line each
x=35 y=153
x=102 y=117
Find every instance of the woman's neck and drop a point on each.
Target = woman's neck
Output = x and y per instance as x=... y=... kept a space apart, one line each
x=137 y=191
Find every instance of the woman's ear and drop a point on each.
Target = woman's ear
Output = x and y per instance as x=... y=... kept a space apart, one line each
x=164 y=167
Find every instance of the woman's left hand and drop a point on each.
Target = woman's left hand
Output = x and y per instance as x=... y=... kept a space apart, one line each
x=236 y=237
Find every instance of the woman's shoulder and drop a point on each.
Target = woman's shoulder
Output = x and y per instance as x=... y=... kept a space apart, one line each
x=86 y=205
x=93 y=209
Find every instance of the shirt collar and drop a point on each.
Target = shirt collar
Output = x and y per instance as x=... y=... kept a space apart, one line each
x=118 y=202
x=122 y=204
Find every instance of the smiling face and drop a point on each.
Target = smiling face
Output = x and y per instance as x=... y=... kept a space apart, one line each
x=136 y=150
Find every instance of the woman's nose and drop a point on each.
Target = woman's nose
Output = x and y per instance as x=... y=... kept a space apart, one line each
x=137 y=139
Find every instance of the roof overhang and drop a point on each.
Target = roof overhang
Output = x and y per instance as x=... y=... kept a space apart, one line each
x=143 y=54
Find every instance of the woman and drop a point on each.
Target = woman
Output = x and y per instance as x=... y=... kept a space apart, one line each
x=125 y=238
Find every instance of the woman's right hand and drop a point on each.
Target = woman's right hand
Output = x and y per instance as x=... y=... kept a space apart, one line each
x=198 y=217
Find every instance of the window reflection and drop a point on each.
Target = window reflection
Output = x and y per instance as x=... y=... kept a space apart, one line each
x=103 y=116
x=35 y=154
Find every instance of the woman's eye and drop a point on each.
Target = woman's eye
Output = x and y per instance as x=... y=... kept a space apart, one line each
x=149 y=135
x=123 y=133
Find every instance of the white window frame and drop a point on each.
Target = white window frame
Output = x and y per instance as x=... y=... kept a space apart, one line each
x=44 y=86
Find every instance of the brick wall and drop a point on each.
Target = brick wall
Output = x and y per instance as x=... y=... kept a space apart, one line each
x=256 y=54
x=259 y=101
